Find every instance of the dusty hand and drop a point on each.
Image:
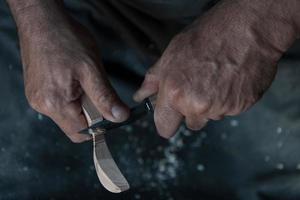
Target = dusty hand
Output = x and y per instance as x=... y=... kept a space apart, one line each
x=221 y=65
x=61 y=62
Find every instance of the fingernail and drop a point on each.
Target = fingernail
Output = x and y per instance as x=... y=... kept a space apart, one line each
x=119 y=112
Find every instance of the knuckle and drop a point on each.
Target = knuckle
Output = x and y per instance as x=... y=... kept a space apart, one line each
x=44 y=100
x=195 y=125
x=72 y=92
x=217 y=117
x=86 y=64
x=252 y=100
x=74 y=138
x=33 y=103
x=34 y=99
x=245 y=106
x=88 y=69
x=197 y=107
x=171 y=82
x=201 y=107
x=51 y=104
x=105 y=96
x=150 y=74
x=175 y=92
x=241 y=106
x=234 y=111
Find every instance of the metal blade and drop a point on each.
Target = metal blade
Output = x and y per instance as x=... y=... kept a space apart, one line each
x=135 y=114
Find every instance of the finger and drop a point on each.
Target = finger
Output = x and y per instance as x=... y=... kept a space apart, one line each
x=103 y=96
x=216 y=117
x=149 y=86
x=167 y=119
x=71 y=120
x=216 y=112
x=195 y=113
x=195 y=123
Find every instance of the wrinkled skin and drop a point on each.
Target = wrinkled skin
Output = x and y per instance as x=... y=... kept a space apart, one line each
x=61 y=63
x=219 y=66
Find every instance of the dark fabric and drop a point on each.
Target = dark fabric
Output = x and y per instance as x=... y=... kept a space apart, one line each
x=254 y=156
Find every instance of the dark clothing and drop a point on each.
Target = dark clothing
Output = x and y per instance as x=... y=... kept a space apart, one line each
x=250 y=157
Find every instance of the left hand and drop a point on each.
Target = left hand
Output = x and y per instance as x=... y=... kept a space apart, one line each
x=220 y=66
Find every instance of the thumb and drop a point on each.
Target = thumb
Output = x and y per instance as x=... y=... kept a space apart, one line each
x=149 y=86
x=103 y=96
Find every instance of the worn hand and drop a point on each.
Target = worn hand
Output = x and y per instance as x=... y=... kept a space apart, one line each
x=220 y=65
x=61 y=62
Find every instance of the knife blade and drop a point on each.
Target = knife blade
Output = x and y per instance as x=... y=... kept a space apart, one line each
x=137 y=112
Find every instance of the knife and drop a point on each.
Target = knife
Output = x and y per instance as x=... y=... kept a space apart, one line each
x=137 y=112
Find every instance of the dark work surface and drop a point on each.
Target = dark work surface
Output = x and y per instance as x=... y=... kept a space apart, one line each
x=253 y=156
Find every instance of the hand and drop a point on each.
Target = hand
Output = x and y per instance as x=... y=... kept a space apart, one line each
x=220 y=65
x=61 y=62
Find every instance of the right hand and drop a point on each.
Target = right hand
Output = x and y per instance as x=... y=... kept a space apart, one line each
x=220 y=65
x=61 y=62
